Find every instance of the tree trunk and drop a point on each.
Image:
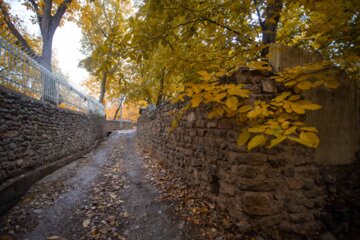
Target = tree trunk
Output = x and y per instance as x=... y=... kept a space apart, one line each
x=103 y=88
x=269 y=26
x=161 y=90
x=50 y=86
x=117 y=111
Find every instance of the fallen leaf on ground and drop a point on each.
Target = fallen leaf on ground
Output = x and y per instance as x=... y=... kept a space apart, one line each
x=86 y=223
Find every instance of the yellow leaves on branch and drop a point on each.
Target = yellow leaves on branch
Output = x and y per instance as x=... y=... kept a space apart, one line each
x=306 y=77
x=309 y=139
x=270 y=121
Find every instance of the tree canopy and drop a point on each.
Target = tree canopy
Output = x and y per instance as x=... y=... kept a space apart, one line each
x=161 y=50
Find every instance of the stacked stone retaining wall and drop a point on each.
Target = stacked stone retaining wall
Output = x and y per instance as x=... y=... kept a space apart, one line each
x=37 y=135
x=277 y=188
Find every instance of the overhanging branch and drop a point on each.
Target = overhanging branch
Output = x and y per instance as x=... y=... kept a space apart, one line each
x=14 y=31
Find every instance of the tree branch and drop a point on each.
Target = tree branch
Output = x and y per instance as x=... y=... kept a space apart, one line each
x=262 y=24
x=59 y=13
x=36 y=10
x=220 y=25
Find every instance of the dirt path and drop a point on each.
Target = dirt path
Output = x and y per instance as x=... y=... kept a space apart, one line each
x=103 y=195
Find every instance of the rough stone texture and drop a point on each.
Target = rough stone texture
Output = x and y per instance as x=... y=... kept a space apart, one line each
x=35 y=133
x=341 y=215
x=277 y=188
x=113 y=125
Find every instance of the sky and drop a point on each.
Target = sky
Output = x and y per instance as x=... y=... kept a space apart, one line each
x=66 y=46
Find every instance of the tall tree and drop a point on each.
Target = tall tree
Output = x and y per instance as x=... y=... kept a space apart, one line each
x=103 y=26
x=48 y=16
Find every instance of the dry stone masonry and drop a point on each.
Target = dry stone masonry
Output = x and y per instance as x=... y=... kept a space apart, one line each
x=268 y=189
x=35 y=133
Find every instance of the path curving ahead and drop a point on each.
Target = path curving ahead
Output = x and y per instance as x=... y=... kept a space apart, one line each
x=103 y=195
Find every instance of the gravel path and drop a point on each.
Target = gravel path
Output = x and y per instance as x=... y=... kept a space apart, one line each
x=103 y=195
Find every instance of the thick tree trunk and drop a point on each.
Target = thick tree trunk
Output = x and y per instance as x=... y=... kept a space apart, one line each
x=46 y=53
x=50 y=86
x=103 y=88
x=48 y=23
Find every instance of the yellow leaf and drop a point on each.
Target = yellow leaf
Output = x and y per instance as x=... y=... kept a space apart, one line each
x=238 y=91
x=174 y=124
x=332 y=84
x=256 y=141
x=285 y=124
x=304 y=85
x=208 y=97
x=189 y=92
x=318 y=83
x=197 y=88
x=311 y=138
x=230 y=114
x=196 y=100
x=204 y=75
x=219 y=97
x=309 y=129
x=257 y=129
x=276 y=141
x=232 y=103
x=245 y=108
x=243 y=138
x=254 y=113
x=311 y=106
x=282 y=96
x=290 y=130
x=215 y=112
x=298 y=109
x=180 y=97
x=294 y=97
x=307 y=138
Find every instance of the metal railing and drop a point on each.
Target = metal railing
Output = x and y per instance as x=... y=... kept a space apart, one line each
x=27 y=74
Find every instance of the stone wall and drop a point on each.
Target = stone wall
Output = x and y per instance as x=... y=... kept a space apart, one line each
x=113 y=125
x=278 y=188
x=35 y=133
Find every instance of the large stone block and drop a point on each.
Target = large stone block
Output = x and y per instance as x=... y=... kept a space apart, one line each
x=260 y=204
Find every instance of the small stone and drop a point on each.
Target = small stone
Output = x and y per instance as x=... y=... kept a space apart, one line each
x=12 y=146
x=243 y=225
x=226 y=123
x=181 y=225
x=268 y=86
x=259 y=204
x=37 y=211
x=19 y=162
